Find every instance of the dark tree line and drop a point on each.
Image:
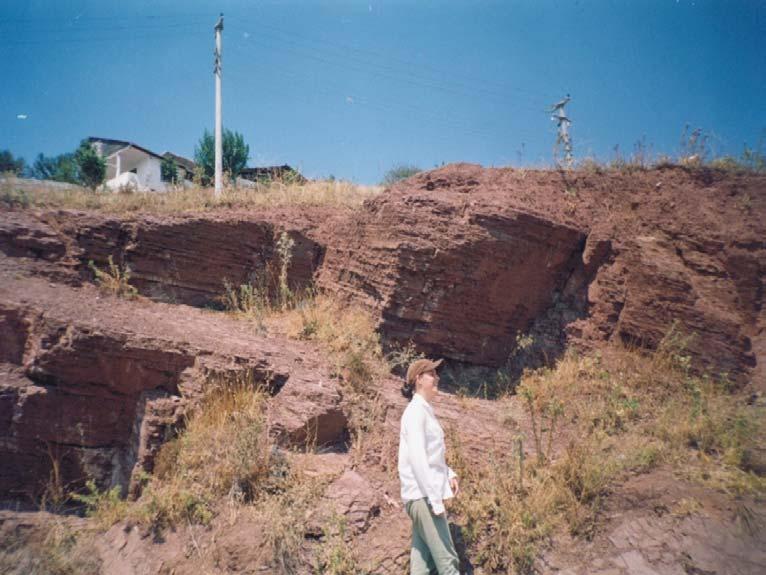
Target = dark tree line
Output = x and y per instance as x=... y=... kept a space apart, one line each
x=83 y=166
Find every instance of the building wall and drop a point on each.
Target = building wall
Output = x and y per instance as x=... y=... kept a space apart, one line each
x=150 y=174
x=147 y=168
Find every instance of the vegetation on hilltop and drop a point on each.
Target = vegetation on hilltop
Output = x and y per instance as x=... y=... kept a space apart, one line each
x=235 y=153
x=11 y=164
x=261 y=195
x=399 y=172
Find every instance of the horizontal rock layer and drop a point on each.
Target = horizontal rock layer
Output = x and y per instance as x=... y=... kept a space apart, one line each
x=94 y=383
x=180 y=259
x=463 y=260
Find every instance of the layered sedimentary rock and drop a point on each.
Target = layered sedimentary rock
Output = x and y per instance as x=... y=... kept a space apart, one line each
x=462 y=260
x=91 y=384
x=459 y=279
x=177 y=259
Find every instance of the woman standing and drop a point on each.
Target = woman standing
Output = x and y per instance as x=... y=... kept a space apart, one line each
x=425 y=477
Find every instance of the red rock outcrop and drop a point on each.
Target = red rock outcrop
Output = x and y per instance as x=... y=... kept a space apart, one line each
x=457 y=278
x=176 y=259
x=462 y=259
x=96 y=382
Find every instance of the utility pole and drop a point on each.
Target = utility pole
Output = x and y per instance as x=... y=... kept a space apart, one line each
x=218 y=135
x=559 y=115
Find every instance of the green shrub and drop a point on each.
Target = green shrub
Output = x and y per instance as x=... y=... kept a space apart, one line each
x=107 y=506
x=399 y=172
x=14 y=198
x=115 y=279
x=91 y=166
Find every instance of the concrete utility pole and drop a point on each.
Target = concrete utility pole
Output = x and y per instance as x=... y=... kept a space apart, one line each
x=218 y=135
x=559 y=115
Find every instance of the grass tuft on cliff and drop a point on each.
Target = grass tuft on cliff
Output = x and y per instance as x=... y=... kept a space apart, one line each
x=593 y=421
x=189 y=481
x=222 y=453
x=347 y=333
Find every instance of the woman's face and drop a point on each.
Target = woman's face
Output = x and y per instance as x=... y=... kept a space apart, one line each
x=427 y=385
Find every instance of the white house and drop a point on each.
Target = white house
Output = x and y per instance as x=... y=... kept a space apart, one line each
x=122 y=157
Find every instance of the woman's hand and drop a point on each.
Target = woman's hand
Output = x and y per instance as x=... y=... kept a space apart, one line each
x=454 y=485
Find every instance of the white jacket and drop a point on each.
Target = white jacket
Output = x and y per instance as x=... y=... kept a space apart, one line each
x=423 y=470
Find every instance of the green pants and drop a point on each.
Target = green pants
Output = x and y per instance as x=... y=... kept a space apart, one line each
x=432 y=548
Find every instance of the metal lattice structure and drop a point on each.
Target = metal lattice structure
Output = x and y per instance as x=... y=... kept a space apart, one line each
x=563 y=140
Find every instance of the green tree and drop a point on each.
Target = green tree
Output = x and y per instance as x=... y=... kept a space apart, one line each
x=91 y=165
x=61 y=168
x=399 y=172
x=235 y=154
x=10 y=164
x=169 y=170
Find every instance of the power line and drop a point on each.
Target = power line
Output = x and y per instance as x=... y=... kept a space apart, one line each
x=386 y=71
x=85 y=25
x=365 y=69
x=386 y=107
x=95 y=19
x=387 y=57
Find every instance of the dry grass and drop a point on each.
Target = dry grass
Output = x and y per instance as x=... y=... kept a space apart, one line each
x=223 y=463
x=106 y=507
x=188 y=483
x=348 y=335
x=223 y=453
x=335 y=556
x=283 y=514
x=54 y=549
x=594 y=421
x=275 y=194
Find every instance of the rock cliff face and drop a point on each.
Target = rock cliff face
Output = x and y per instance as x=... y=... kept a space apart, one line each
x=459 y=280
x=180 y=259
x=95 y=383
x=463 y=259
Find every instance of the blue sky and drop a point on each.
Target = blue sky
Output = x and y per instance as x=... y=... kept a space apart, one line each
x=353 y=88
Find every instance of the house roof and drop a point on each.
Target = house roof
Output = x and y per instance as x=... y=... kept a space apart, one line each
x=185 y=163
x=111 y=146
x=271 y=172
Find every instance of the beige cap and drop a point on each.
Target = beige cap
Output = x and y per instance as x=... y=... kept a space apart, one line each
x=421 y=366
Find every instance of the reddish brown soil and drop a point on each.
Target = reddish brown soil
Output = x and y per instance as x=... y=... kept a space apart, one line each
x=649 y=528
